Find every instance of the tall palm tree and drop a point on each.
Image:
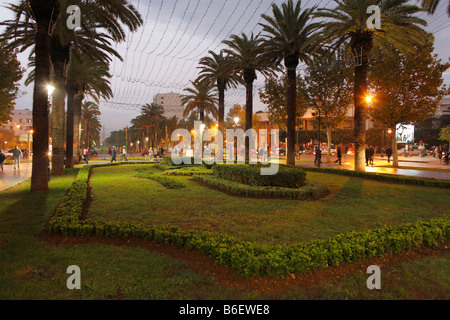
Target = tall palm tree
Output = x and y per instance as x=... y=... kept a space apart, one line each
x=347 y=25
x=248 y=59
x=201 y=98
x=290 y=35
x=43 y=14
x=218 y=69
x=40 y=19
x=150 y=117
x=85 y=76
x=91 y=123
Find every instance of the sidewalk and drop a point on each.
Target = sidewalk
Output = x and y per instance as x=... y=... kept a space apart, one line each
x=10 y=177
x=427 y=167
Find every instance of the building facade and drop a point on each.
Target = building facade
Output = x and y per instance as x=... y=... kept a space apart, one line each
x=172 y=104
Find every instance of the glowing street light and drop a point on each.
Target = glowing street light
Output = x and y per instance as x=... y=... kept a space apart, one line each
x=50 y=89
x=369 y=98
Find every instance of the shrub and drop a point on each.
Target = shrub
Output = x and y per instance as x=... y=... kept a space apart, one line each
x=309 y=191
x=286 y=177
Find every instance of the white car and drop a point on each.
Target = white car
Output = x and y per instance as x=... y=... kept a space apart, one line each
x=8 y=154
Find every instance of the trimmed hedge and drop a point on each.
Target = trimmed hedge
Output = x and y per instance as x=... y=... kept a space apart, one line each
x=250 y=258
x=383 y=177
x=286 y=177
x=309 y=191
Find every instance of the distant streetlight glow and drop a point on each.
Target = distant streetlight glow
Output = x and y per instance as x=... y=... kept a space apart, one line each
x=236 y=120
x=369 y=98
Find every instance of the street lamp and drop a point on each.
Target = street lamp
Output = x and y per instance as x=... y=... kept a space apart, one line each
x=236 y=125
x=319 y=102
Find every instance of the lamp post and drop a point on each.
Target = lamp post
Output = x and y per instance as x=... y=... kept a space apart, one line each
x=236 y=121
x=319 y=102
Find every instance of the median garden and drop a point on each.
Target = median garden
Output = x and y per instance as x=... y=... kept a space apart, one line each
x=338 y=220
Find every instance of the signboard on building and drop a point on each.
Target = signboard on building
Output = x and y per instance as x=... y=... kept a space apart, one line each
x=405 y=133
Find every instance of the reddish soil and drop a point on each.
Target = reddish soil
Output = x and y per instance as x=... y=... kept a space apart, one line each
x=268 y=288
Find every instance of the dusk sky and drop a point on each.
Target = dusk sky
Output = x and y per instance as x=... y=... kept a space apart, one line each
x=162 y=56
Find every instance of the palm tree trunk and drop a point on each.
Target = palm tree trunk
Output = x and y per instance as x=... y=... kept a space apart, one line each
x=394 y=150
x=360 y=90
x=329 y=145
x=361 y=44
x=58 y=119
x=71 y=92
x=77 y=129
x=221 y=89
x=86 y=133
x=291 y=115
x=39 y=177
x=248 y=116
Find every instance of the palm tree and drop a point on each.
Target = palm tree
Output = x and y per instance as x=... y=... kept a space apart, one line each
x=44 y=14
x=218 y=69
x=91 y=123
x=347 y=24
x=248 y=59
x=41 y=19
x=151 y=115
x=85 y=76
x=431 y=5
x=201 y=98
x=291 y=36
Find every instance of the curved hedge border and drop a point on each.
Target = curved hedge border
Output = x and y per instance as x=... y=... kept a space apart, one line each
x=164 y=181
x=249 y=258
x=383 y=177
x=310 y=190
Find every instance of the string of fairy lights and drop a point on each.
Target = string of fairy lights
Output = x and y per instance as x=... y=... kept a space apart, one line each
x=163 y=55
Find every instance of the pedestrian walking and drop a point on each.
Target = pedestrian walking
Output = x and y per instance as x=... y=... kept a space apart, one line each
x=339 y=155
x=371 y=155
x=389 y=153
x=124 y=155
x=113 y=154
x=86 y=155
x=318 y=158
x=2 y=159
x=17 y=155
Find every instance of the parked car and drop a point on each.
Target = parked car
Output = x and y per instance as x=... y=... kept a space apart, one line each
x=9 y=154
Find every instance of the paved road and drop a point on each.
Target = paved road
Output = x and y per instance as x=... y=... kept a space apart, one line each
x=427 y=167
x=10 y=177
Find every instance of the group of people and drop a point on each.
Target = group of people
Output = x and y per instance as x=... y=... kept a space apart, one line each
x=113 y=153
x=16 y=154
x=442 y=153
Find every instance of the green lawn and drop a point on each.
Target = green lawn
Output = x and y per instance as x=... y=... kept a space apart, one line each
x=31 y=268
x=34 y=269
x=354 y=204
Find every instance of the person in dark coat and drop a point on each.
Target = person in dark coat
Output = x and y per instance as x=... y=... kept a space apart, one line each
x=318 y=158
x=389 y=153
x=367 y=156
x=2 y=159
x=371 y=155
x=113 y=154
x=339 y=155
